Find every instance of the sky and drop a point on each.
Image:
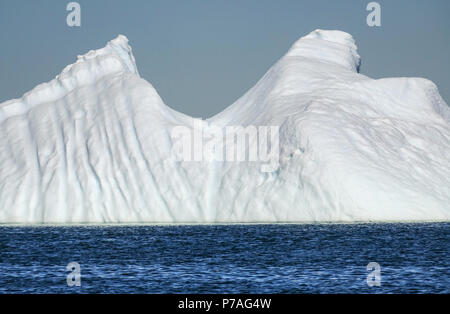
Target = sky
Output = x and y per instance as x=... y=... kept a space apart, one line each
x=202 y=55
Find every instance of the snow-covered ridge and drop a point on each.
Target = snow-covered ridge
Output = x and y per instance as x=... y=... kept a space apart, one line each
x=115 y=57
x=94 y=145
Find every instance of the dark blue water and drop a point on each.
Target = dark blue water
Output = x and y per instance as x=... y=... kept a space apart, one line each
x=317 y=258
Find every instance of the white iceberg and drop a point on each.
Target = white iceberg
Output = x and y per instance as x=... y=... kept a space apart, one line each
x=94 y=145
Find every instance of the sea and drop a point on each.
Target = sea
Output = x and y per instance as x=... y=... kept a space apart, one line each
x=257 y=258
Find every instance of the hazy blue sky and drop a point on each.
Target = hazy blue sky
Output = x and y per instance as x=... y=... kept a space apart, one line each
x=202 y=55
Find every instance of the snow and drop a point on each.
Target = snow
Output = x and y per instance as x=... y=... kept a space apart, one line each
x=94 y=145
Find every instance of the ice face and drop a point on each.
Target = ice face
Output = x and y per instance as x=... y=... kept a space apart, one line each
x=95 y=145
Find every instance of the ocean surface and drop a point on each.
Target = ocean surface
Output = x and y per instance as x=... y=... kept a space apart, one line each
x=309 y=258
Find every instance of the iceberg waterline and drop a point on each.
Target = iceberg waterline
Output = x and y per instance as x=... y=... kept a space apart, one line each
x=94 y=146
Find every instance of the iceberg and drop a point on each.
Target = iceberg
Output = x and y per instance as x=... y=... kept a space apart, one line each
x=95 y=145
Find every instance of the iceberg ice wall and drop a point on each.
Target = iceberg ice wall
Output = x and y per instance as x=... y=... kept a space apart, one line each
x=94 y=145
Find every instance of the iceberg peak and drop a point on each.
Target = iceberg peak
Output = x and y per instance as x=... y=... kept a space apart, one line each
x=115 y=58
x=118 y=54
x=332 y=46
x=123 y=49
